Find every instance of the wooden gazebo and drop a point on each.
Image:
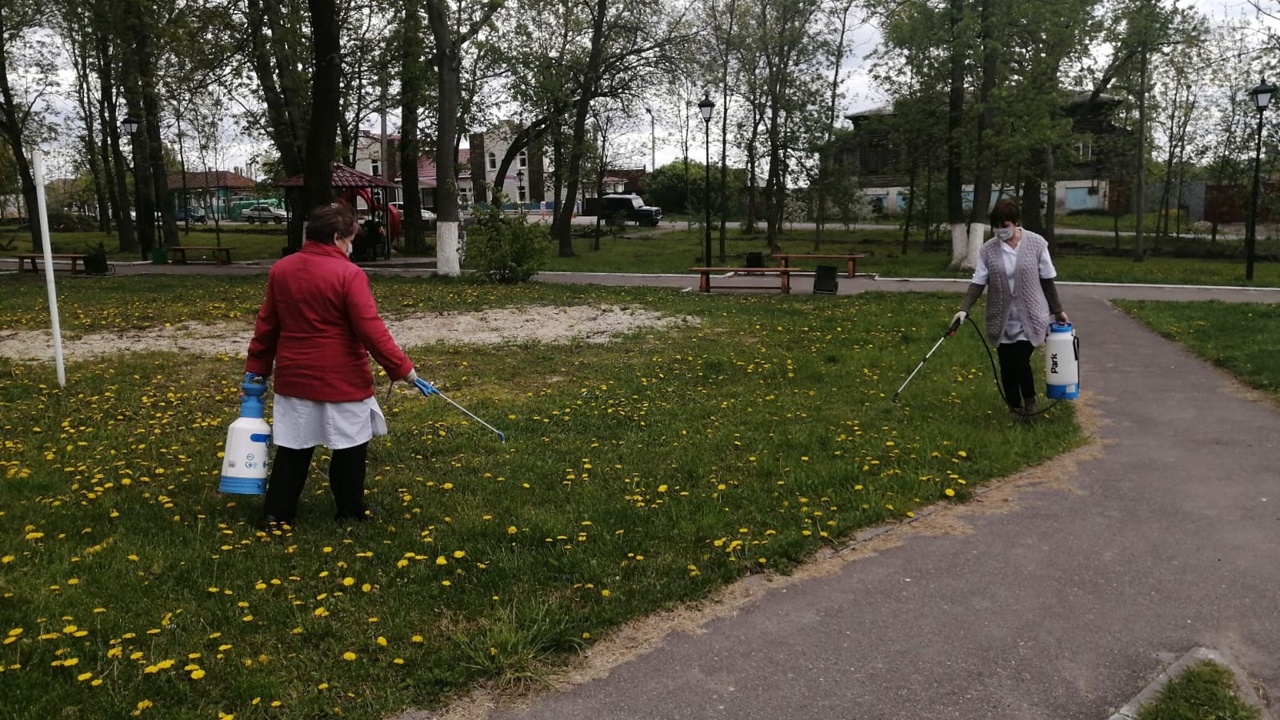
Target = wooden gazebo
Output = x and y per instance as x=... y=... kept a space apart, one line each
x=351 y=182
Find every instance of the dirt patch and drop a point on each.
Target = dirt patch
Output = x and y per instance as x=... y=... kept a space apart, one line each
x=592 y=324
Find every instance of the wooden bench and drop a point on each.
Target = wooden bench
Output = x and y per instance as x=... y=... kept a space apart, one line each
x=784 y=259
x=74 y=258
x=178 y=254
x=783 y=274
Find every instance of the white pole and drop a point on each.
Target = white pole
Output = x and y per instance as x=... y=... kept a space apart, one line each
x=37 y=164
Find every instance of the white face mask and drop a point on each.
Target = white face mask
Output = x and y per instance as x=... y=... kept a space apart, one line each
x=350 y=246
x=1004 y=234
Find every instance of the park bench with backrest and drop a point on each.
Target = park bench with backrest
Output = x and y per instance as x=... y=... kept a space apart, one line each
x=784 y=259
x=180 y=255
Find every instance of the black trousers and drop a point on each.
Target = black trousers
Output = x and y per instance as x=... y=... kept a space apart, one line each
x=289 y=475
x=1016 y=380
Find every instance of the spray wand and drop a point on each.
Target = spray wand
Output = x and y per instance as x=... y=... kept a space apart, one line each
x=428 y=390
x=951 y=330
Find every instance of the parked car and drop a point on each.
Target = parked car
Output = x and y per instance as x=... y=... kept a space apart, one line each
x=263 y=214
x=426 y=214
x=618 y=209
x=133 y=215
x=194 y=214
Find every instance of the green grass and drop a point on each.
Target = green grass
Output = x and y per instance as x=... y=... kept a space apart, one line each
x=639 y=475
x=1082 y=259
x=1204 y=691
x=249 y=242
x=644 y=250
x=1238 y=337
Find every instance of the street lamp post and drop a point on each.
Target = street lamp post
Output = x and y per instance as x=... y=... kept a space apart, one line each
x=520 y=187
x=653 y=141
x=1261 y=98
x=705 y=106
x=129 y=125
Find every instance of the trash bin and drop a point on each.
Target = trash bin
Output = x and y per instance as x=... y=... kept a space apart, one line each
x=159 y=256
x=755 y=259
x=824 y=280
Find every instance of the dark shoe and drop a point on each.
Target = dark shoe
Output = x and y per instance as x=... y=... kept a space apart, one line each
x=363 y=515
x=267 y=523
x=1031 y=409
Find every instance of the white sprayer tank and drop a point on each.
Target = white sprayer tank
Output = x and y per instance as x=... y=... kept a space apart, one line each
x=1062 y=363
x=244 y=461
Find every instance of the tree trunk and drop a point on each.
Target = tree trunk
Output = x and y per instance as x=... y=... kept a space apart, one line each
x=560 y=228
x=1140 y=187
x=323 y=127
x=11 y=126
x=1051 y=200
x=911 y=203
x=412 y=92
x=113 y=157
x=955 y=125
x=979 y=213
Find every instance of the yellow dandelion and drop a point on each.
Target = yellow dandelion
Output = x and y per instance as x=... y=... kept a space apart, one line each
x=348 y=656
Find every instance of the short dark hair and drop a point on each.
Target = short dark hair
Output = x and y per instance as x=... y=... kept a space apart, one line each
x=1005 y=211
x=327 y=223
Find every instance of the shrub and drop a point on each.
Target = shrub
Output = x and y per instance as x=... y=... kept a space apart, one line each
x=507 y=249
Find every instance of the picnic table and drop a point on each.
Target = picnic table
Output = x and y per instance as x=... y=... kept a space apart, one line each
x=784 y=259
x=31 y=258
x=705 y=273
x=179 y=253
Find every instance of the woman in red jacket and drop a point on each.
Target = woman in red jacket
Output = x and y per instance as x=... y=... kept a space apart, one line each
x=315 y=331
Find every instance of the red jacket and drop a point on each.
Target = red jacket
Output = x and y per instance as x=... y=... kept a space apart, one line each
x=318 y=325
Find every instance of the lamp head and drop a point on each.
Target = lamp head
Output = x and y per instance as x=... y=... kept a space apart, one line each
x=705 y=106
x=1262 y=95
x=130 y=124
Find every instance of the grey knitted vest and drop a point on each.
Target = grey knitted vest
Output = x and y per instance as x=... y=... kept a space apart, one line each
x=1030 y=298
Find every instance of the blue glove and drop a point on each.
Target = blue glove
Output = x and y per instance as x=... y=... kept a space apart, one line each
x=254 y=377
x=427 y=388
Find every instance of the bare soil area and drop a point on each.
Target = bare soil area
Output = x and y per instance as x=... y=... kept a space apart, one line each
x=580 y=323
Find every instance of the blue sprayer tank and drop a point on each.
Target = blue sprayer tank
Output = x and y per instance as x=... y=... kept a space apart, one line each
x=244 y=460
x=1062 y=363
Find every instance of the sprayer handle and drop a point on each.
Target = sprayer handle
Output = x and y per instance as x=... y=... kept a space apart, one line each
x=956 y=320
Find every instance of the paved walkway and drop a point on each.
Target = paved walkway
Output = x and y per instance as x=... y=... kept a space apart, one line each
x=1057 y=595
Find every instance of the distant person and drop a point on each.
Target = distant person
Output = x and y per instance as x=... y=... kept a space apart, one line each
x=316 y=328
x=1022 y=303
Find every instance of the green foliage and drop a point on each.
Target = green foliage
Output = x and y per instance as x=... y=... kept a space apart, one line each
x=666 y=189
x=1204 y=691
x=507 y=249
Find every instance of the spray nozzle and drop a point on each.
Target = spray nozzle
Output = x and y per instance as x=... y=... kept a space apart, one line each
x=254 y=385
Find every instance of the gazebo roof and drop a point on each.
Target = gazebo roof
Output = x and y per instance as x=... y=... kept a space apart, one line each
x=344 y=177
